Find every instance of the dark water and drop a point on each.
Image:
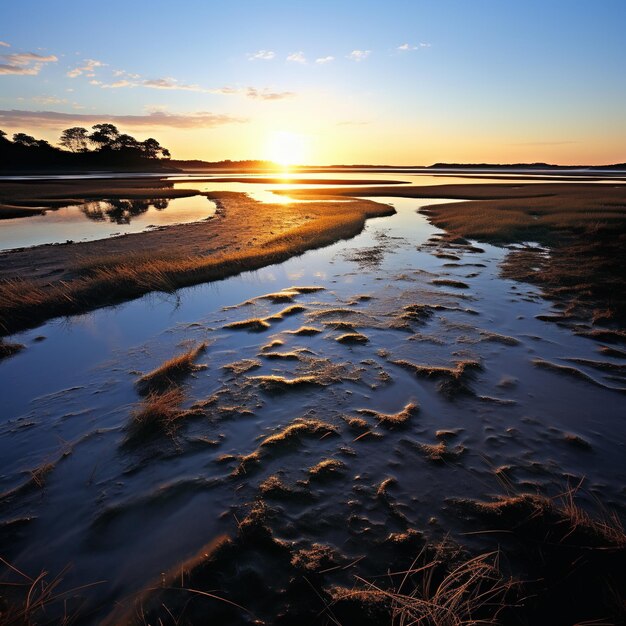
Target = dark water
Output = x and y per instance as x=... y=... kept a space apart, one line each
x=124 y=514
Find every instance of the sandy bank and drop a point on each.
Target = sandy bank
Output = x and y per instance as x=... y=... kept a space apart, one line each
x=39 y=283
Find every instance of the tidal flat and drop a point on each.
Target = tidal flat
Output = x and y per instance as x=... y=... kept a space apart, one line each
x=409 y=415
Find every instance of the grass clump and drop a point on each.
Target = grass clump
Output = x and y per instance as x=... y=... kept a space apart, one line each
x=297 y=429
x=254 y=324
x=393 y=419
x=171 y=372
x=326 y=469
x=159 y=414
x=453 y=381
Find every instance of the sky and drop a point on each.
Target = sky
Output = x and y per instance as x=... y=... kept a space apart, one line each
x=325 y=82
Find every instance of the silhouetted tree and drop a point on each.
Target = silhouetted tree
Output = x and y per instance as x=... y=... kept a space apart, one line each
x=104 y=135
x=22 y=139
x=126 y=142
x=75 y=139
x=151 y=149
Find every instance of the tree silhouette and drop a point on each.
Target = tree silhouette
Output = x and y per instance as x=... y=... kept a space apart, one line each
x=104 y=147
x=22 y=139
x=104 y=135
x=126 y=142
x=151 y=149
x=75 y=139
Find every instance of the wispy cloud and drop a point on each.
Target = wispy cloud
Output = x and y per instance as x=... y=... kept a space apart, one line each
x=266 y=94
x=118 y=84
x=261 y=55
x=161 y=119
x=25 y=63
x=87 y=68
x=359 y=55
x=171 y=84
x=406 y=47
x=297 y=57
x=4 y=44
x=323 y=60
x=425 y=45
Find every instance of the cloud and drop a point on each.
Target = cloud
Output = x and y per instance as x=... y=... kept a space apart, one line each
x=322 y=60
x=424 y=45
x=359 y=55
x=297 y=57
x=117 y=84
x=261 y=55
x=88 y=67
x=25 y=63
x=406 y=47
x=265 y=94
x=161 y=119
x=4 y=44
x=171 y=84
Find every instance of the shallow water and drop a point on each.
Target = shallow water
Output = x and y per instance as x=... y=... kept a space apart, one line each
x=101 y=219
x=125 y=513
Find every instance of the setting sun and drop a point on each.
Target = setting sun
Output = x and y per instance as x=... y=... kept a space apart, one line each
x=286 y=148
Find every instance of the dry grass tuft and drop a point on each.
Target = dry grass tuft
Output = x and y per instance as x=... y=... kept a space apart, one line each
x=280 y=384
x=254 y=324
x=453 y=380
x=393 y=419
x=32 y=601
x=297 y=429
x=326 y=469
x=304 y=331
x=160 y=413
x=172 y=371
x=436 y=593
x=287 y=312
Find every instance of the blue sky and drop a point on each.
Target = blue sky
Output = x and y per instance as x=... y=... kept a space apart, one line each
x=377 y=82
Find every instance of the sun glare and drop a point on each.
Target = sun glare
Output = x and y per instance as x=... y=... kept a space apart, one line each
x=286 y=148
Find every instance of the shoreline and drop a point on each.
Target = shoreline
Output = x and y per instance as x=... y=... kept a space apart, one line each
x=43 y=282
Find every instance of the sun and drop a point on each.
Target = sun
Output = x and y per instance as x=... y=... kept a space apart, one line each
x=286 y=148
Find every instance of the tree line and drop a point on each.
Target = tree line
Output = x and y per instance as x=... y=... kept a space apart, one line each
x=103 y=146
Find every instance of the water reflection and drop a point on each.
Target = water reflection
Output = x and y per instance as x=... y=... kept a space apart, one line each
x=120 y=211
x=99 y=219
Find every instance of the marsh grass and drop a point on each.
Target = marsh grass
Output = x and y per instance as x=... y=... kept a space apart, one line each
x=172 y=371
x=393 y=419
x=112 y=278
x=435 y=593
x=159 y=414
x=35 y=600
